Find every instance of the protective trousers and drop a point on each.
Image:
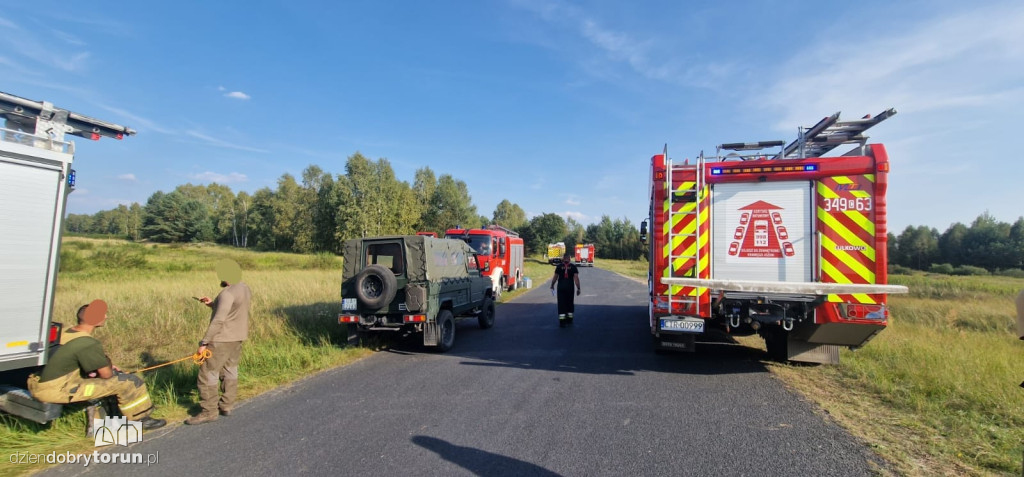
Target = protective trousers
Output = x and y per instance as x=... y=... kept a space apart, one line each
x=218 y=377
x=132 y=397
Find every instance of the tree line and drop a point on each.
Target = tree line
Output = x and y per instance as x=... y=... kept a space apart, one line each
x=986 y=246
x=320 y=210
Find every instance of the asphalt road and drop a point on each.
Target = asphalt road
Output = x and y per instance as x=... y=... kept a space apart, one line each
x=523 y=398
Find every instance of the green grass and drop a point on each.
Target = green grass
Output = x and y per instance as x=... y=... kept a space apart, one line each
x=153 y=319
x=937 y=392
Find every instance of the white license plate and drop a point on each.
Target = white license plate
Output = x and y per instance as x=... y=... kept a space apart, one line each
x=348 y=304
x=682 y=326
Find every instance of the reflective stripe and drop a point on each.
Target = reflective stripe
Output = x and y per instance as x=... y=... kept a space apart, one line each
x=135 y=403
x=88 y=390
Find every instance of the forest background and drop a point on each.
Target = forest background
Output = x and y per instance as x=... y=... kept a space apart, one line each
x=319 y=211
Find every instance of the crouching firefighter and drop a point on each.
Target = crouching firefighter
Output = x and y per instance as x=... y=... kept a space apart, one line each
x=80 y=371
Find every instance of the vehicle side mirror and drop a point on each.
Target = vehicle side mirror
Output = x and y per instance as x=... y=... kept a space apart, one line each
x=643 y=232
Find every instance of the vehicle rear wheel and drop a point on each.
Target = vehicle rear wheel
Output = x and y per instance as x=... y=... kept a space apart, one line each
x=376 y=286
x=446 y=327
x=486 y=316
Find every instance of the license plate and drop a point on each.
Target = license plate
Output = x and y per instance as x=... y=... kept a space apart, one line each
x=682 y=326
x=348 y=304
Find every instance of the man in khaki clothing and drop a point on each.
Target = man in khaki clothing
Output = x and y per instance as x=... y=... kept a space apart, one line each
x=229 y=327
x=80 y=371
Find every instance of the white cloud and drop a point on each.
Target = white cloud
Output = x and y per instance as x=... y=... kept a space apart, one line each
x=221 y=143
x=139 y=121
x=577 y=216
x=966 y=60
x=231 y=178
x=237 y=95
x=68 y=38
x=128 y=177
x=572 y=200
x=647 y=57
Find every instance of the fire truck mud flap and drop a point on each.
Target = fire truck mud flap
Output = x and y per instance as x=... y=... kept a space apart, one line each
x=686 y=342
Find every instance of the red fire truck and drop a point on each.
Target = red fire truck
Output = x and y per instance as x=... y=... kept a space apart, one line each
x=500 y=249
x=585 y=255
x=790 y=245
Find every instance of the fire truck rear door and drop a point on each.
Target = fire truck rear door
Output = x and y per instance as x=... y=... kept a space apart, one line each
x=762 y=231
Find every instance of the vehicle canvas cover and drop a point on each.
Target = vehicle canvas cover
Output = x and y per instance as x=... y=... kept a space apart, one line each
x=426 y=258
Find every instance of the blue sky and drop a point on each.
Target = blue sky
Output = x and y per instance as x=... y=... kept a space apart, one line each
x=554 y=105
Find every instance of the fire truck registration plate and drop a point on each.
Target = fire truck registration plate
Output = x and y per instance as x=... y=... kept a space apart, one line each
x=348 y=304
x=684 y=325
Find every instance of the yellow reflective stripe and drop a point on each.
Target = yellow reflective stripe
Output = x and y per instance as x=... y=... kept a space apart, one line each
x=850 y=237
x=862 y=298
x=833 y=273
x=135 y=403
x=851 y=262
x=88 y=390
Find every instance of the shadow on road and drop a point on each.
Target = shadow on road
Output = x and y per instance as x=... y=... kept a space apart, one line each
x=604 y=339
x=479 y=462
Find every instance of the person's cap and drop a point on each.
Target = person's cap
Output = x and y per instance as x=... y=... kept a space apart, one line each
x=95 y=313
x=229 y=271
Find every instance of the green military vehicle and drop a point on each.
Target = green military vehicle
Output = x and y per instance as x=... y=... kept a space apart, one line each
x=413 y=284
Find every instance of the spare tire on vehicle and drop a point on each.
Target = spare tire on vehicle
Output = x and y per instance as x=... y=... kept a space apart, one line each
x=376 y=286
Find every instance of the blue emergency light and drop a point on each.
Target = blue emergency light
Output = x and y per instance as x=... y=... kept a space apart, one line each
x=71 y=178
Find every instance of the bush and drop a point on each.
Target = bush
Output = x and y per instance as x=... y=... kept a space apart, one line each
x=1010 y=272
x=970 y=270
x=70 y=261
x=118 y=258
x=324 y=261
x=943 y=268
x=900 y=270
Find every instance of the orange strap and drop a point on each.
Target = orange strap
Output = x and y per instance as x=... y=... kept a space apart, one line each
x=196 y=358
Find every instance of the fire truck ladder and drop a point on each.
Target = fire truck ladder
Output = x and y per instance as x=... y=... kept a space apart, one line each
x=683 y=196
x=831 y=133
x=41 y=120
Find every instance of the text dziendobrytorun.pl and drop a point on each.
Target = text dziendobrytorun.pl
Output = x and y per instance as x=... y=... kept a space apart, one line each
x=85 y=459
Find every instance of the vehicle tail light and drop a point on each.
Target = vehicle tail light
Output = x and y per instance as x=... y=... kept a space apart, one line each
x=858 y=311
x=348 y=319
x=54 y=337
x=415 y=318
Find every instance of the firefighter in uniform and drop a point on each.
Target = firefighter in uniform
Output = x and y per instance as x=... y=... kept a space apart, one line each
x=80 y=371
x=566 y=275
x=229 y=327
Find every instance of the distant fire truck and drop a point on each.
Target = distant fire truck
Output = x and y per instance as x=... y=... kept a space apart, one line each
x=790 y=245
x=584 y=255
x=500 y=249
x=555 y=253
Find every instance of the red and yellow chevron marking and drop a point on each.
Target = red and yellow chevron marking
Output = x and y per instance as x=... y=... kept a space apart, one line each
x=681 y=247
x=846 y=222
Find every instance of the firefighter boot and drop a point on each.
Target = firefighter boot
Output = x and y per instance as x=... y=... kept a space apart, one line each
x=561 y=320
x=568 y=318
x=208 y=397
